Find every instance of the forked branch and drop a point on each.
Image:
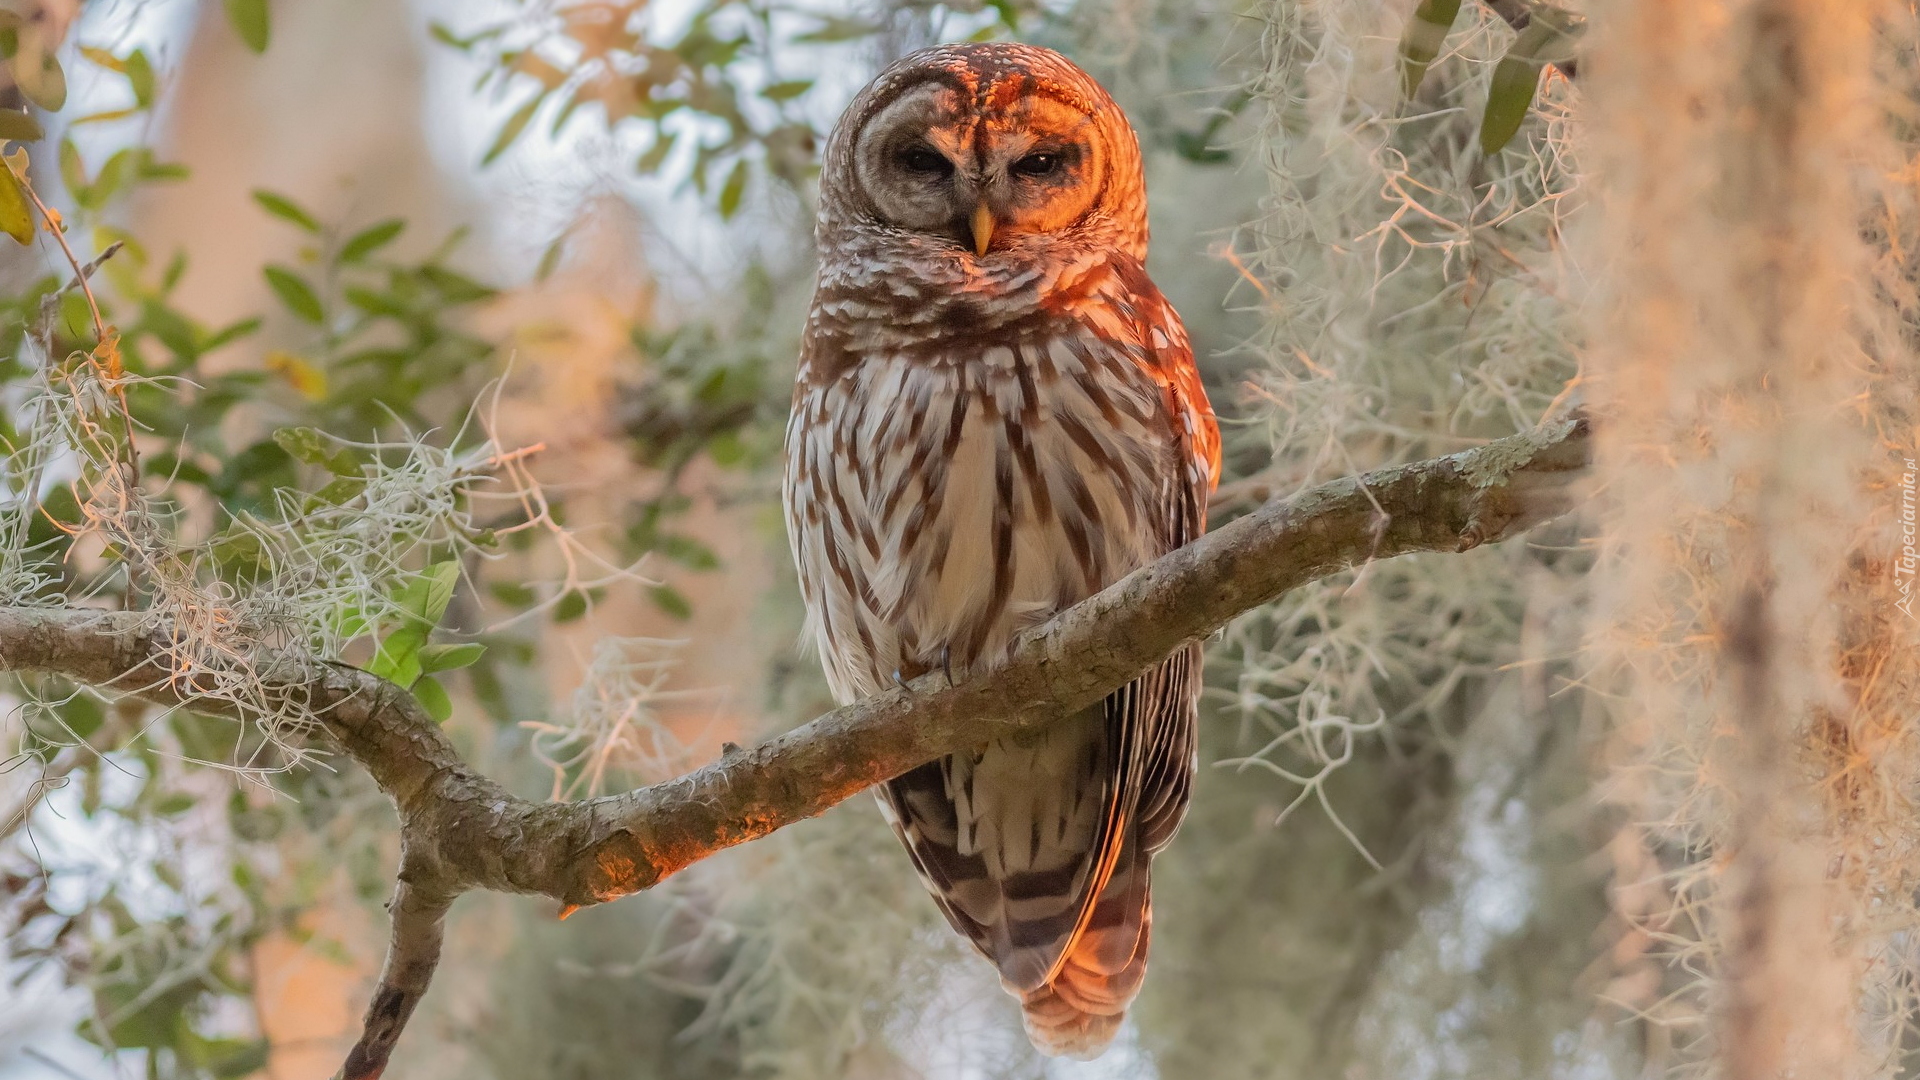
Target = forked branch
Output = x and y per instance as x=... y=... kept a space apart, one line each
x=461 y=831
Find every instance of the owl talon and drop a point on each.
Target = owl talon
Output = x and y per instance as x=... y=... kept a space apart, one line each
x=897 y=680
x=946 y=663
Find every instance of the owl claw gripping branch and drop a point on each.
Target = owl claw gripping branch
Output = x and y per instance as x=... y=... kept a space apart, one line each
x=996 y=415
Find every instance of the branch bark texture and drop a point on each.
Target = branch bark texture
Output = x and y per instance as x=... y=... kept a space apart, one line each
x=461 y=831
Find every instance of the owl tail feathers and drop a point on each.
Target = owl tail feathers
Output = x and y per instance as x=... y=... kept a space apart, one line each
x=1078 y=1012
x=1060 y=1028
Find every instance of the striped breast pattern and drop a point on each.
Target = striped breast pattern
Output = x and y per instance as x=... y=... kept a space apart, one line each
x=941 y=501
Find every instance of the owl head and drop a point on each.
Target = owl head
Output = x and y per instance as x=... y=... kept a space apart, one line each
x=984 y=151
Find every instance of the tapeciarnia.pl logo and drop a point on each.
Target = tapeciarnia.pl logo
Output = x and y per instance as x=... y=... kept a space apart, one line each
x=1903 y=568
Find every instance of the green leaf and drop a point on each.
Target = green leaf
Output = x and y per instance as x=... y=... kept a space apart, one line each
x=168 y=326
x=317 y=448
x=656 y=154
x=228 y=334
x=570 y=607
x=16 y=215
x=251 y=21
x=1197 y=147
x=283 y=208
x=155 y=1024
x=350 y=622
x=140 y=78
x=735 y=187
x=669 y=599
x=1550 y=38
x=306 y=444
x=512 y=594
x=444 y=34
x=376 y=303
x=1508 y=100
x=398 y=658
x=348 y=463
x=112 y=176
x=514 y=126
x=433 y=698
x=77 y=318
x=427 y=595
x=689 y=553
x=20 y=126
x=550 y=258
x=727 y=449
x=231 y=1059
x=294 y=292
x=1420 y=43
x=161 y=170
x=370 y=239
x=83 y=714
x=73 y=171
x=563 y=115
x=339 y=490
x=236 y=552
x=456 y=288
x=787 y=90
x=833 y=28
x=451 y=657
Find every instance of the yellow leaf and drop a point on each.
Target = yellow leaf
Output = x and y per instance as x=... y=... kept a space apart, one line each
x=104 y=58
x=107 y=355
x=20 y=126
x=310 y=381
x=16 y=217
x=105 y=117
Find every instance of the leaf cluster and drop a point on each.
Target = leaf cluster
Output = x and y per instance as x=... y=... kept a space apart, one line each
x=1544 y=34
x=249 y=446
x=717 y=99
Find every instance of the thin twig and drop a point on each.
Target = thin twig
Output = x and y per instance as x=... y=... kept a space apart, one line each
x=108 y=368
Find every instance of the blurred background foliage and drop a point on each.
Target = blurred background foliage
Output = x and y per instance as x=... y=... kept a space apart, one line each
x=566 y=248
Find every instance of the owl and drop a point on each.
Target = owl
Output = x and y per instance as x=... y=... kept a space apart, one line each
x=996 y=415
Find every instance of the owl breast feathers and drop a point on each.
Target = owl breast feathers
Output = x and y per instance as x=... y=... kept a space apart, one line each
x=996 y=415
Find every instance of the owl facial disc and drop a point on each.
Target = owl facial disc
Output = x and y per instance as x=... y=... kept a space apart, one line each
x=974 y=154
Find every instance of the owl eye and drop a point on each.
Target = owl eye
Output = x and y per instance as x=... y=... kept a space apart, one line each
x=925 y=161
x=1037 y=165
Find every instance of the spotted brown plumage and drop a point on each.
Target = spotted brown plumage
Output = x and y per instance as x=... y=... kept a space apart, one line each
x=996 y=415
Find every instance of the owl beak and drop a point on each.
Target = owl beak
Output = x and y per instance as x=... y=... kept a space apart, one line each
x=982 y=228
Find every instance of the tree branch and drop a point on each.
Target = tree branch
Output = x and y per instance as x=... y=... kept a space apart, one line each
x=461 y=831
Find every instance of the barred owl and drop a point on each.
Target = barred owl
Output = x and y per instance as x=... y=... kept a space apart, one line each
x=996 y=415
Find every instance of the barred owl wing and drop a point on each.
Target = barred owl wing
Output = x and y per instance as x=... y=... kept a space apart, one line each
x=1171 y=692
